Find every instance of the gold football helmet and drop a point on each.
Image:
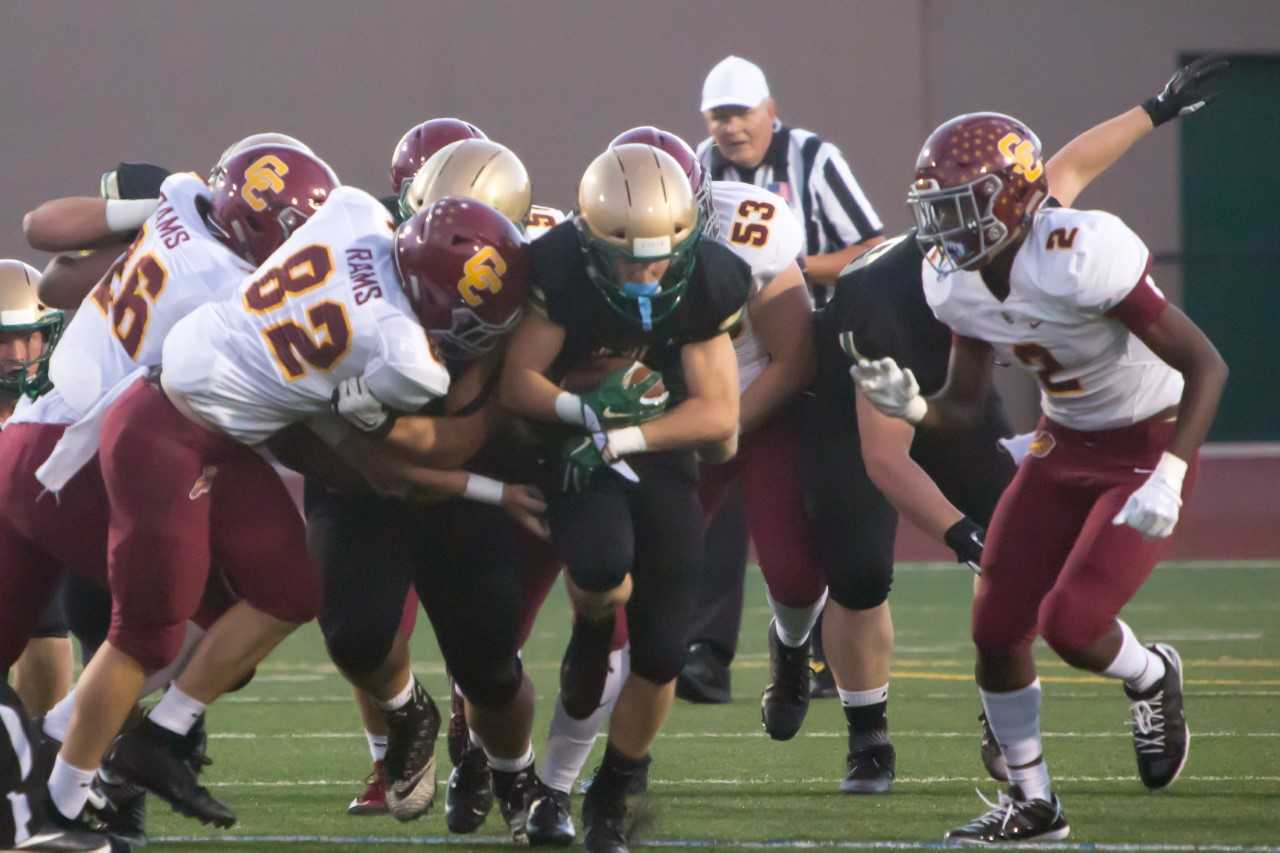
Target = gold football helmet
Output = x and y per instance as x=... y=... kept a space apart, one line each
x=22 y=315
x=479 y=169
x=251 y=141
x=635 y=205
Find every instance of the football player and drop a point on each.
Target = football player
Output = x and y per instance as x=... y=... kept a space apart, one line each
x=1129 y=388
x=28 y=333
x=195 y=247
x=630 y=276
x=869 y=466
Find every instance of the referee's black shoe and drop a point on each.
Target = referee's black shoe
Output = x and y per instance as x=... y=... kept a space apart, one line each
x=786 y=697
x=161 y=761
x=704 y=677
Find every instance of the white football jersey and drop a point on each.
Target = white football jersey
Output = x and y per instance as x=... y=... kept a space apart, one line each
x=48 y=408
x=762 y=230
x=540 y=220
x=1075 y=267
x=326 y=306
x=174 y=266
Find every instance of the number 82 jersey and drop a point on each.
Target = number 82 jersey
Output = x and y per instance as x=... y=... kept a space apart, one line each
x=324 y=307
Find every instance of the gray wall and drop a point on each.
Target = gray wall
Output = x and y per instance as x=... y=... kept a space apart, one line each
x=83 y=84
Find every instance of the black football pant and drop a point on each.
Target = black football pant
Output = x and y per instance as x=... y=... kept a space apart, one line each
x=463 y=558
x=652 y=530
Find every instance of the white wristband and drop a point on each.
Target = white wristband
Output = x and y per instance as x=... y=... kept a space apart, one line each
x=129 y=214
x=915 y=410
x=569 y=409
x=485 y=490
x=1172 y=470
x=625 y=441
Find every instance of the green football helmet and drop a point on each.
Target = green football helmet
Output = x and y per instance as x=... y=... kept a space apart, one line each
x=21 y=316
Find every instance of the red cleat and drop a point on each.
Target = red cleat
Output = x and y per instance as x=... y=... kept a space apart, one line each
x=374 y=798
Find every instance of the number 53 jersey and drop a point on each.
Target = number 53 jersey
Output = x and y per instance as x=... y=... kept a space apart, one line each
x=1079 y=288
x=326 y=306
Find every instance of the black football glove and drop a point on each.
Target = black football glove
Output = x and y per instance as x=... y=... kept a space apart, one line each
x=965 y=538
x=132 y=181
x=1183 y=94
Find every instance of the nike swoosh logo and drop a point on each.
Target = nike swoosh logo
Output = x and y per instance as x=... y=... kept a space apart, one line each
x=1035 y=324
x=610 y=413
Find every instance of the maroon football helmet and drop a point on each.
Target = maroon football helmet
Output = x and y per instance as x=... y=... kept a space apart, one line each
x=464 y=267
x=979 y=180
x=688 y=160
x=423 y=140
x=264 y=194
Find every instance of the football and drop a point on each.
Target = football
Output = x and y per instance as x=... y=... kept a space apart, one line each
x=589 y=376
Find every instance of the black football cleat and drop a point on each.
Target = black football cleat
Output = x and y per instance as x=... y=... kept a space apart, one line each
x=124 y=812
x=786 y=697
x=161 y=761
x=1012 y=819
x=704 y=677
x=1161 y=739
x=459 y=733
x=604 y=821
x=871 y=770
x=516 y=793
x=84 y=832
x=469 y=797
x=585 y=667
x=550 y=821
x=638 y=783
x=992 y=755
x=822 y=681
x=410 y=763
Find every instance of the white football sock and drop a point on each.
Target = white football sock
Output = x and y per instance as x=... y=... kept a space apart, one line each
x=400 y=699
x=861 y=698
x=511 y=765
x=69 y=787
x=1032 y=781
x=58 y=720
x=1140 y=667
x=569 y=741
x=1014 y=718
x=377 y=745
x=795 y=623
x=176 y=711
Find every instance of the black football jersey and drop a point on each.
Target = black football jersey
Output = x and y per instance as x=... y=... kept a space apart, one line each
x=560 y=288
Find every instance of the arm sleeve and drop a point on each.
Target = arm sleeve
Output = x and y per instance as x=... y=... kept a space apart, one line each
x=403 y=374
x=1142 y=306
x=840 y=198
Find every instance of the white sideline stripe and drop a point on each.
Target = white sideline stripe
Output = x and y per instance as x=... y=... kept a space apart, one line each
x=697 y=843
x=1188 y=565
x=359 y=735
x=768 y=780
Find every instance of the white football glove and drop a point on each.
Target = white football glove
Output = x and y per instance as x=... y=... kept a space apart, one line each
x=353 y=400
x=890 y=389
x=1152 y=510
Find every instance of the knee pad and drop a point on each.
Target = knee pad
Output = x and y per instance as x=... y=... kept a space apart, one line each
x=861 y=585
x=491 y=685
x=657 y=660
x=356 y=648
x=601 y=572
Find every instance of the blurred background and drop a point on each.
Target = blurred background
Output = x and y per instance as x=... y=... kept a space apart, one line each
x=84 y=85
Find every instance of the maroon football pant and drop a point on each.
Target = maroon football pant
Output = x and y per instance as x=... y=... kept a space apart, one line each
x=182 y=497
x=767 y=465
x=1054 y=564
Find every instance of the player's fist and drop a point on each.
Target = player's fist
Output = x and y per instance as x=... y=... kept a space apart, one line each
x=354 y=402
x=1184 y=93
x=965 y=537
x=626 y=397
x=890 y=389
x=1152 y=510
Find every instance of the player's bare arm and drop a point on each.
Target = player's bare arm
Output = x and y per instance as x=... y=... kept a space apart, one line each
x=782 y=317
x=525 y=389
x=70 y=276
x=961 y=400
x=1183 y=346
x=708 y=417
x=84 y=222
x=886 y=451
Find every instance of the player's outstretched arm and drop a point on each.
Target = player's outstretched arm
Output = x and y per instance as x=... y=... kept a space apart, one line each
x=782 y=317
x=895 y=392
x=70 y=276
x=84 y=222
x=1087 y=156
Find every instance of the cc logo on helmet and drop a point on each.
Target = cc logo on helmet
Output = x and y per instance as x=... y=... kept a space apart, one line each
x=1023 y=153
x=265 y=173
x=482 y=271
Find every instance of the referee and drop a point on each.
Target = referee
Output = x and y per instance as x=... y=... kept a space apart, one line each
x=748 y=143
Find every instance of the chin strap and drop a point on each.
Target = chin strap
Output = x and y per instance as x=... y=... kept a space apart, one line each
x=643 y=292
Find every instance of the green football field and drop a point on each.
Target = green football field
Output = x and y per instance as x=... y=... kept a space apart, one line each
x=290 y=753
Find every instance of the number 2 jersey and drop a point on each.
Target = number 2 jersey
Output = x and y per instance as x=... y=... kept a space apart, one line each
x=326 y=306
x=1079 y=288
x=761 y=229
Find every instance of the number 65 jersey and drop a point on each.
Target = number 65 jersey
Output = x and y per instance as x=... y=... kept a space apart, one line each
x=1079 y=288
x=324 y=307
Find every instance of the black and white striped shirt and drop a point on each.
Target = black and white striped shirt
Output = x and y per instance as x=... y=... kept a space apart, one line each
x=814 y=178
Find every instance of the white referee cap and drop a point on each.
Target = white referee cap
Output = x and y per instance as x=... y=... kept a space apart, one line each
x=734 y=82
